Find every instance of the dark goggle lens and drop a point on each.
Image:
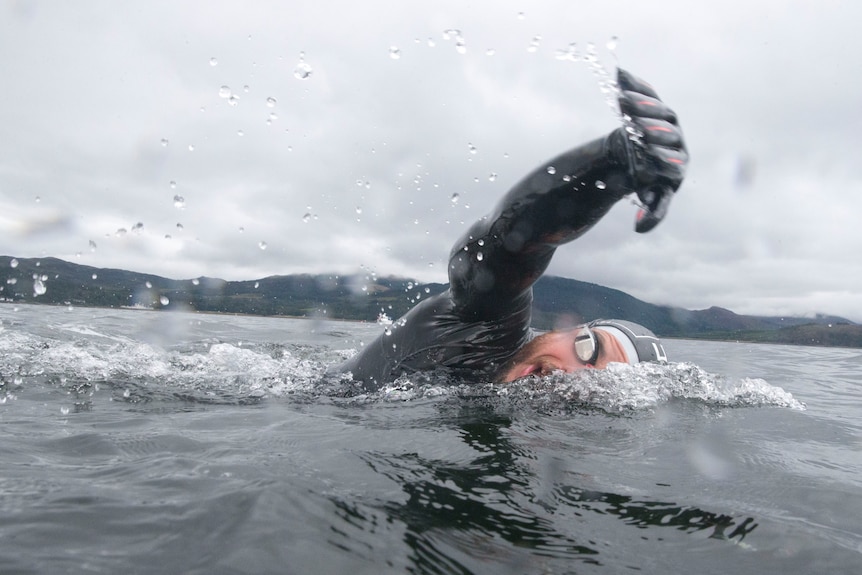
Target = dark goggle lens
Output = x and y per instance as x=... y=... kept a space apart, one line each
x=586 y=345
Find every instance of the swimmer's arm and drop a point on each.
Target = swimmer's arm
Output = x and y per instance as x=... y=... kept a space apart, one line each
x=501 y=256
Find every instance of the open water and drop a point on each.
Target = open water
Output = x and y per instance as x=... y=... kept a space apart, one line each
x=156 y=442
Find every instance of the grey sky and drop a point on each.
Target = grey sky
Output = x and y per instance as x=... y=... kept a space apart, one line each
x=767 y=93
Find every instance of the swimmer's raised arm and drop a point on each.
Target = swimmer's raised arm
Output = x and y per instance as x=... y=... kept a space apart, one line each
x=493 y=266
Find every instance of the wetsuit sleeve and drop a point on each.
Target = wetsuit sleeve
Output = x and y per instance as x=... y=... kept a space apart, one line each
x=493 y=266
x=500 y=257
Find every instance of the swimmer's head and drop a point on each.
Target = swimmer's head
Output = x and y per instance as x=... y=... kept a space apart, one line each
x=593 y=345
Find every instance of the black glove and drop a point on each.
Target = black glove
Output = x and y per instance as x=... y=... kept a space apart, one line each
x=655 y=148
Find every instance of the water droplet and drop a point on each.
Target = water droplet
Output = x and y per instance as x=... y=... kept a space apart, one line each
x=590 y=56
x=224 y=92
x=600 y=185
x=196 y=282
x=552 y=170
x=164 y=300
x=39 y=287
x=38 y=199
x=127 y=393
x=179 y=226
x=262 y=245
x=479 y=256
x=492 y=177
x=120 y=232
x=95 y=276
x=521 y=16
x=490 y=52
x=431 y=42
x=302 y=70
x=567 y=178
x=455 y=197
x=192 y=146
x=240 y=133
x=149 y=285
x=213 y=62
x=272 y=118
x=179 y=202
x=358 y=209
x=12 y=281
x=612 y=43
x=534 y=44
x=394 y=52
x=306 y=218
x=93 y=246
x=138 y=227
x=164 y=142
x=271 y=102
x=568 y=53
x=460 y=46
x=233 y=100
x=64 y=410
x=472 y=148
x=13 y=263
x=172 y=184
x=256 y=284
x=481 y=242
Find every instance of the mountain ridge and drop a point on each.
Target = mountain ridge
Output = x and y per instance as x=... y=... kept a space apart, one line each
x=357 y=297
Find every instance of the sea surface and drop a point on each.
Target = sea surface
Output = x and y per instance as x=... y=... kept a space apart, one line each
x=177 y=442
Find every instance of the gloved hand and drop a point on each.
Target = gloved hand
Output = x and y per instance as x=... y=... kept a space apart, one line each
x=655 y=148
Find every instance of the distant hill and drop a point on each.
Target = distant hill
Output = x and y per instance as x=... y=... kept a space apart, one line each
x=356 y=297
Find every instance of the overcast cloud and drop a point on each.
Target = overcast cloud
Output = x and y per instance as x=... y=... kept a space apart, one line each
x=373 y=148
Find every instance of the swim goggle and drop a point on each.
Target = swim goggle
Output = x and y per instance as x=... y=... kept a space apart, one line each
x=636 y=342
x=587 y=345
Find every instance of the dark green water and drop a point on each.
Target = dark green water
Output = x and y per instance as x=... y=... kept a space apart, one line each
x=141 y=442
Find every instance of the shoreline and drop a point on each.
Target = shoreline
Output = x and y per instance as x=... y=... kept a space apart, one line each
x=692 y=337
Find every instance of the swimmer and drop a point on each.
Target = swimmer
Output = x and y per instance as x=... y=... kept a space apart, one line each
x=480 y=326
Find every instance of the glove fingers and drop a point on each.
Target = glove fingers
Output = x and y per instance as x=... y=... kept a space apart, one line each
x=631 y=83
x=656 y=200
x=666 y=165
x=659 y=132
x=640 y=105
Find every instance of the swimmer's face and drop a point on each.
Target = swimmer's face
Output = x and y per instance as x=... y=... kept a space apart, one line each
x=555 y=351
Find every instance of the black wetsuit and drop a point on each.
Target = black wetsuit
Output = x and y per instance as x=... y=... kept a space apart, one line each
x=481 y=321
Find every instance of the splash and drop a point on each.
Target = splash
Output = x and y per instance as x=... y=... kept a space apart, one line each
x=161 y=364
x=618 y=389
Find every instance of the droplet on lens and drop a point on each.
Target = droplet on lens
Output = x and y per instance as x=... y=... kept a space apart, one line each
x=302 y=71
